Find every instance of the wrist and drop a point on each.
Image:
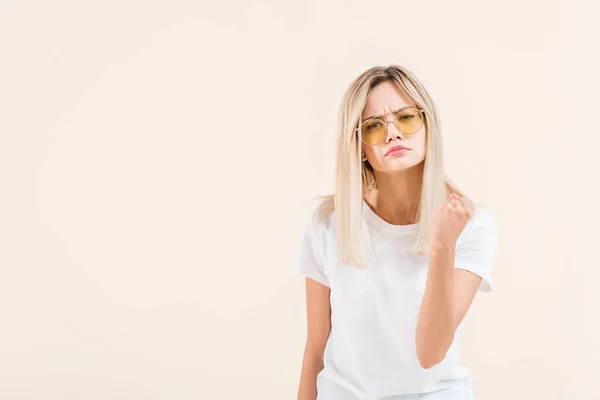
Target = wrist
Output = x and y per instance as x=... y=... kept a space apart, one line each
x=444 y=247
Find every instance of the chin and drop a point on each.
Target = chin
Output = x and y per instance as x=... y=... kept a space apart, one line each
x=399 y=164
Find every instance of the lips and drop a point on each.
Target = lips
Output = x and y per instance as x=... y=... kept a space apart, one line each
x=396 y=148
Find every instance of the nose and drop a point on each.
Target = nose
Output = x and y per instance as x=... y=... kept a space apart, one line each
x=392 y=132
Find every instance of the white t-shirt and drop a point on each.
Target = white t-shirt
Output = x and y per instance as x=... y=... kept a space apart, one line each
x=371 y=352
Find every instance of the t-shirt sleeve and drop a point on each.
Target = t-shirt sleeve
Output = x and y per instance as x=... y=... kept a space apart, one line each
x=476 y=250
x=310 y=258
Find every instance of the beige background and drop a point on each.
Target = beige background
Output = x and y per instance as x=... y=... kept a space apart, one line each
x=157 y=160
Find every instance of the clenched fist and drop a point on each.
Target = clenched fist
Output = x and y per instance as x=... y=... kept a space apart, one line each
x=449 y=221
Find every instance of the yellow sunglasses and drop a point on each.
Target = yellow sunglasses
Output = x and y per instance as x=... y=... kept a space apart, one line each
x=408 y=120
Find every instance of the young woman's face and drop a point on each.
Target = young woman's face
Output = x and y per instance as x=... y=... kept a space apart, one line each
x=382 y=100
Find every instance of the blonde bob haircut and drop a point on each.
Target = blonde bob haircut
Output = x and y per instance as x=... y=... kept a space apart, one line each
x=355 y=178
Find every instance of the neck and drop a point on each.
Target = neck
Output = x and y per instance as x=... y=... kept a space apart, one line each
x=396 y=198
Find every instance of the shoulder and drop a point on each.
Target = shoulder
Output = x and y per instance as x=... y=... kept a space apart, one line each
x=482 y=215
x=320 y=216
x=482 y=221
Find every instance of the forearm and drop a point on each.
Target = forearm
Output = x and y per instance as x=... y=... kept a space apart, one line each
x=311 y=366
x=435 y=325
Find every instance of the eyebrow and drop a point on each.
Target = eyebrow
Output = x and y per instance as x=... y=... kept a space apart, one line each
x=392 y=112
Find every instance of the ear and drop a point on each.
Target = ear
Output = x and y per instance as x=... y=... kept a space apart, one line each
x=362 y=154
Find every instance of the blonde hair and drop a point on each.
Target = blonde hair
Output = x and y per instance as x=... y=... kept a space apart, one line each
x=355 y=178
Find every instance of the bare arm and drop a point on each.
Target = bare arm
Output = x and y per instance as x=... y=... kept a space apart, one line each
x=449 y=291
x=448 y=296
x=318 y=318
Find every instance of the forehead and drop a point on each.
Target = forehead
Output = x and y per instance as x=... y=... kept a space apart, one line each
x=384 y=98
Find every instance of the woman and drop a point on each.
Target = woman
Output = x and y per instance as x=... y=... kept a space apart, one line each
x=394 y=258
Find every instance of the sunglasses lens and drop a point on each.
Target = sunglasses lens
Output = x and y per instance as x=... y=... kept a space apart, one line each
x=374 y=132
x=409 y=121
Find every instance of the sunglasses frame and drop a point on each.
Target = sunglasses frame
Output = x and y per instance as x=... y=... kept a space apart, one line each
x=358 y=130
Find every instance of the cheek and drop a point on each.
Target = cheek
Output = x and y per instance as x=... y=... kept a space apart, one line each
x=420 y=146
x=371 y=153
x=421 y=149
x=376 y=157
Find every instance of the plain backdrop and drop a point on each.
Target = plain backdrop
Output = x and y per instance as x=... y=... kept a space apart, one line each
x=157 y=160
